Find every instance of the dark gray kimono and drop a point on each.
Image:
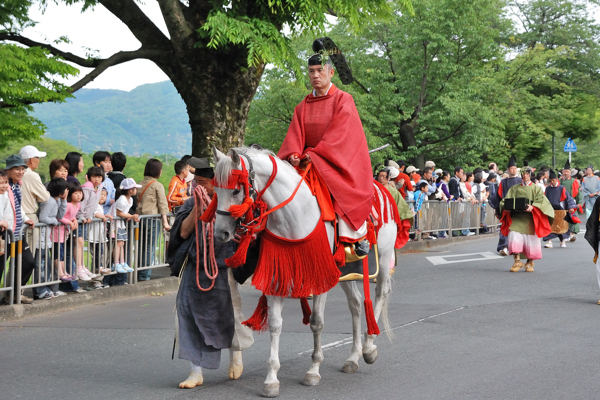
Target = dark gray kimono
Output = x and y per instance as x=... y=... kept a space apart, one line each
x=206 y=322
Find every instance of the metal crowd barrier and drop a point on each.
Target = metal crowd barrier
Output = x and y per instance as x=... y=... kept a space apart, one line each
x=92 y=245
x=7 y=276
x=445 y=217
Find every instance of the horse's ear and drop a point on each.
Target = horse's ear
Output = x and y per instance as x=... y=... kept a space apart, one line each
x=217 y=155
x=235 y=158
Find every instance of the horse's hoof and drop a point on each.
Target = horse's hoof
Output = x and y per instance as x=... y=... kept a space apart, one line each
x=236 y=366
x=371 y=356
x=311 y=379
x=270 y=390
x=350 y=367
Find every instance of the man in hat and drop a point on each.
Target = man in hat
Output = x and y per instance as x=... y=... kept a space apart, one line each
x=33 y=190
x=590 y=188
x=207 y=319
x=326 y=130
x=15 y=169
x=526 y=216
x=572 y=186
x=503 y=188
x=560 y=199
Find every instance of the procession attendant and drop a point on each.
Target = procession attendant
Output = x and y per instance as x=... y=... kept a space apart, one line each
x=592 y=235
x=560 y=199
x=590 y=189
x=327 y=131
x=573 y=187
x=206 y=322
x=526 y=216
x=503 y=188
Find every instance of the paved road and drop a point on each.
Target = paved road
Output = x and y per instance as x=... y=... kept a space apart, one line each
x=463 y=330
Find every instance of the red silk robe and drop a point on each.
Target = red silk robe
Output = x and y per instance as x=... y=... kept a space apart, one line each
x=328 y=129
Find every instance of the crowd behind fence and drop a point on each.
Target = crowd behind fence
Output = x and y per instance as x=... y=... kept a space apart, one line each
x=146 y=246
x=447 y=217
x=92 y=244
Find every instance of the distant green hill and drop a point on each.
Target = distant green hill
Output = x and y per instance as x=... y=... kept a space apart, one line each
x=150 y=119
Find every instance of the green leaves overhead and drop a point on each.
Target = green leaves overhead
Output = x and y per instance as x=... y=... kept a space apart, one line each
x=28 y=75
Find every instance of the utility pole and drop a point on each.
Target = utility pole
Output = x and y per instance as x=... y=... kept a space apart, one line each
x=553 y=150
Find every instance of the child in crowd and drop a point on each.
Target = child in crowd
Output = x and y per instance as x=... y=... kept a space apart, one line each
x=120 y=208
x=420 y=197
x=7 y=219
x=69 y=222
x=50 y=213
x=92 y=190
x=97 y=239
x=178 y=185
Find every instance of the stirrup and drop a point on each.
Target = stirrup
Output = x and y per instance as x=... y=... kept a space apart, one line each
x=350 y=250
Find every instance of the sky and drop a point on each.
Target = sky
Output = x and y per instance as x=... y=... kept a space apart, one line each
x=98 y=30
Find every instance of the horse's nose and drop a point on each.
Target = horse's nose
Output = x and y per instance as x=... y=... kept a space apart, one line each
x=222 y=236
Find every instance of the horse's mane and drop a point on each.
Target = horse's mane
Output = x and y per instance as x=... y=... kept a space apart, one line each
x=225 y=166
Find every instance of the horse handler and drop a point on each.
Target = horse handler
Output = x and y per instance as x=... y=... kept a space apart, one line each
x=208 y=302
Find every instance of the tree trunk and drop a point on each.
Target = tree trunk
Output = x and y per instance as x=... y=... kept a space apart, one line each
x=217 y=92
x=407 y=137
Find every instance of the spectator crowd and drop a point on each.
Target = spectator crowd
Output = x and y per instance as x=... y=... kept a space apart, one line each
x=61 y=220
x=478 y=187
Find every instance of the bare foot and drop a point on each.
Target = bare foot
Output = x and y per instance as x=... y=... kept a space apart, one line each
x=195 y=379
x=236 y=365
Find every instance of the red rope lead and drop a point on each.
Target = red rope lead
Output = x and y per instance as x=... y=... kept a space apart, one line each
x=211 y=269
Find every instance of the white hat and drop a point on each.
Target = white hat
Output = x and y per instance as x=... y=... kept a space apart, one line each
x=394 y=172
x=429 y=164
x=484 y=175
x=410 y=169
x=29 y=152
x=394 y=164
x=129 y=183
x=438 y=171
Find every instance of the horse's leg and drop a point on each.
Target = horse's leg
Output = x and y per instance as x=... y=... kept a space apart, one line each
x=382 y=291
x=271 y=385
x=242 y=338
x=354 y=304
x=313 y=376
x=195 y=378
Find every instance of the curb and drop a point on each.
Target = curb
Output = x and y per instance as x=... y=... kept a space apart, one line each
x=75 y=300
x=422 y=245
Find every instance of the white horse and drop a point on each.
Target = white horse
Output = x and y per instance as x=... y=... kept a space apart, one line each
x=296 y=221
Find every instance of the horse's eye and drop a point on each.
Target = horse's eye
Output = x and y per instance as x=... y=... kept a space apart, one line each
x=236 y=192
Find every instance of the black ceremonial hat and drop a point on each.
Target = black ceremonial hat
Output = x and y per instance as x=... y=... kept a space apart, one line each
x=326 y=46
x=567 y=165
x=552 y=174
x=512 y=162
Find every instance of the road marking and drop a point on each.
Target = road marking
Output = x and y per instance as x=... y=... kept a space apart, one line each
x=439 y=260
x=348 y=340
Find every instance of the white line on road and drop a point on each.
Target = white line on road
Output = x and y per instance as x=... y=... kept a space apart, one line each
x=346 y=341
x=439 y=260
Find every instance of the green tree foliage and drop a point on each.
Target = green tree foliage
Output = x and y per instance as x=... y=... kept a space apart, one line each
x=454 y=83
x=215 y=51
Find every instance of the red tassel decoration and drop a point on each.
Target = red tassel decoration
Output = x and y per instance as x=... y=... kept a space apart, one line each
x=371 y=233
x=239 y=258
x=372 y=328
x=306 y=312
x=238 y=211
x=209 y=213
x=295 y=268
x=340 y=256
x=258 y=321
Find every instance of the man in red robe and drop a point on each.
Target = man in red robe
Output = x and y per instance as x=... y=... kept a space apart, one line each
x=326 y=130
